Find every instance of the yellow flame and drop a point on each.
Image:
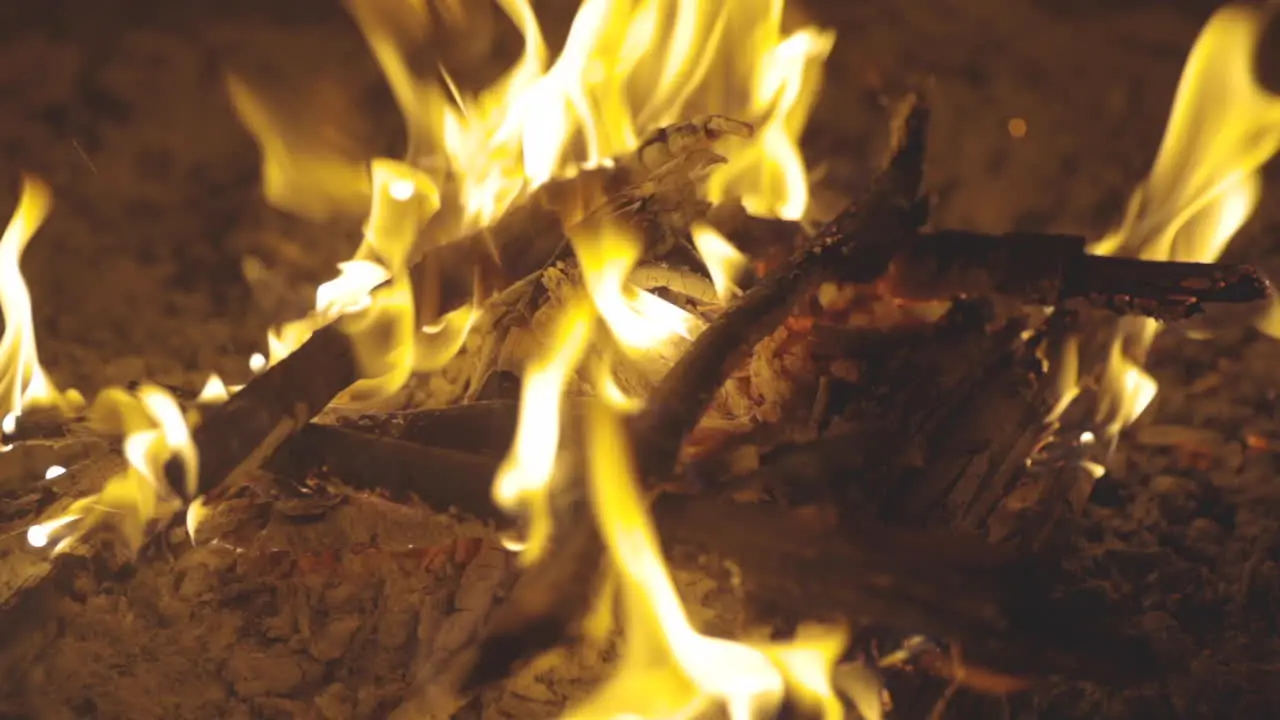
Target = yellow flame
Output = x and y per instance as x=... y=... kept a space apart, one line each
x=372 y=298
x=627 y=67
x=23 y=381
x=607 y=252
x=523 y=483
x=1203 y=185
x=214 y=391
x=723 y=260
x=159 y=451
x=667 y=668
x=299 y=174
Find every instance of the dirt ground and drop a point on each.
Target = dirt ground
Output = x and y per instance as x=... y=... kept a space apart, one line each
x=120 y=107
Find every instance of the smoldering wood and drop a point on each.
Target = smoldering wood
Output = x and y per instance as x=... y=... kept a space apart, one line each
x=978 y=444
x=910 y=379
x=865 y=236
x=486 y=427
x=1048 y=269
x=446 y=479
x=984 y=598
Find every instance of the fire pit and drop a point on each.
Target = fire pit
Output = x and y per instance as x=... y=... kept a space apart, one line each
x=594 y=395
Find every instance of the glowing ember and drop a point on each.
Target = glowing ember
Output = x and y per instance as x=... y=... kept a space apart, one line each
x=1203 y=185
x=23 y=382
x=161 y=473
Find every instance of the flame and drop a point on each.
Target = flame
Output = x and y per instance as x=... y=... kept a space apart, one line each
x=1203 y=185
x=642 y=322
x=627 y=67
x=372 y=298
x=668 y=669
x=162 y=469
x=298 y=175
x=23 y=381
x=214 y=391
x=724 y=261
x=523 y=483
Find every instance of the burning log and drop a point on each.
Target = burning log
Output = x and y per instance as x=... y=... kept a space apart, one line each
x=1047 y=269
x=653 y=191
x=447 y=479
x=250 y=425
x=484 y=428
x=863 y=238
x=552 y=596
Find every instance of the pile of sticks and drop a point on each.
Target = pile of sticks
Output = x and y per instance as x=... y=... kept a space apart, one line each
x=888 y=526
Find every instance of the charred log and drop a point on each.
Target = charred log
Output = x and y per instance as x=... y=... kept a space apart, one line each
x=1048 y=269
x=448 y=480
x=865 y=236
x=248 y=427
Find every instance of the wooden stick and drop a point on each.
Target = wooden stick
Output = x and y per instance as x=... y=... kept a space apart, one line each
x=250 y=425
x=448 y=480
x=1048 y=269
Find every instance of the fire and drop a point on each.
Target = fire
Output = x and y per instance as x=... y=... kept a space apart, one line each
x=162 y=470
x=1203 y=185
x=641 y=322
x=372 y=298
x=724 y=261
x=214 y=391
x=668 y=669
x=627 y=67
x=523 y=483
x=23 y=381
